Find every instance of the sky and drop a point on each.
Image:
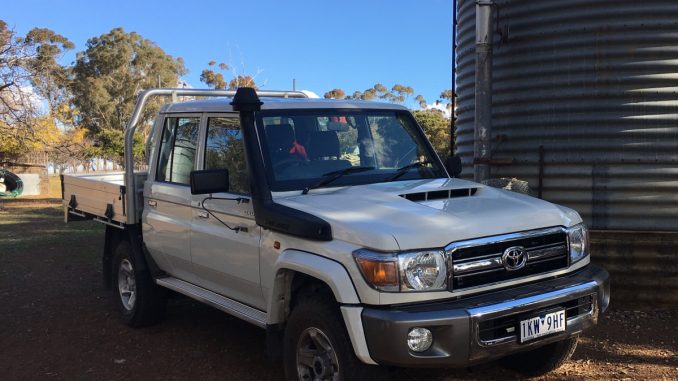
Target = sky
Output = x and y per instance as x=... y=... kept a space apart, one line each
x=350 y=44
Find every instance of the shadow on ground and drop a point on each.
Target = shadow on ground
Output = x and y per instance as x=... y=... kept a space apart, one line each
x=57 y=322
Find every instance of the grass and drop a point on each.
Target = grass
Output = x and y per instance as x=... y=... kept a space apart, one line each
x=31 y=224
x=55 y=186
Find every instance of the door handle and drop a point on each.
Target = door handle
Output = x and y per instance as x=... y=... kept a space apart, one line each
x=203 y=214
x=152 y=203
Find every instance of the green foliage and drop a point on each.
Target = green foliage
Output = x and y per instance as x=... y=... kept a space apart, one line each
x=373 y=92
x=30 y=62
x=422 y=101
x=335 y=94
x=44 y=134
x=356 y=95
x=72 y=145
x=216 y=80
x=348 y=141
x=49 y=79
x=107 y=77
x=98 y=93
x=212 y=78
x=435 y=124
x=242 y=81
x=397 y=94
x=381 y=89
x=226 y=150
x=437 y=129
x=448 y=95
x=110 y=143
x=368 y=94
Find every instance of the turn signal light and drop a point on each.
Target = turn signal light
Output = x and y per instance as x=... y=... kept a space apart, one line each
x=379 y=273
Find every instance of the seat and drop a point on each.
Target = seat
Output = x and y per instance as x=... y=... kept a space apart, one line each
x=323 y=152
x=323 y=144
x=280 y=138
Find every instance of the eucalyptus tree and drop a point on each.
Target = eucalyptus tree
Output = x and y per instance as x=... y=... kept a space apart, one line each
x=108 y=76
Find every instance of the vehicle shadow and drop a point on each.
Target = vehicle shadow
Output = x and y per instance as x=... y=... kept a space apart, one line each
x=57 y=321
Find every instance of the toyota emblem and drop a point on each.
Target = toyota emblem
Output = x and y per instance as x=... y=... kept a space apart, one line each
x=514 y=258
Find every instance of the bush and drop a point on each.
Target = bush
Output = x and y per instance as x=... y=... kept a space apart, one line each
x=437 y=129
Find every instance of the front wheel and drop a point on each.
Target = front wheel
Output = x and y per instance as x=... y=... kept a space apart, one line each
x=140 y=301
x=317 y=346
x=541 y=360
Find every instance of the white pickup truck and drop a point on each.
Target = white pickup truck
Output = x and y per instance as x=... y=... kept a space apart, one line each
x=336 y=227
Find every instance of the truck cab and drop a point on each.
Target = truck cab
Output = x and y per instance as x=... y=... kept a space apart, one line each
x=335 y=226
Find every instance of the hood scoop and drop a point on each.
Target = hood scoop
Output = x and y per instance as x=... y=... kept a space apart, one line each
x=439 y=194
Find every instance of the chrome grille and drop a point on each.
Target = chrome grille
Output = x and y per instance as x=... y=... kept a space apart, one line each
x=479 y=262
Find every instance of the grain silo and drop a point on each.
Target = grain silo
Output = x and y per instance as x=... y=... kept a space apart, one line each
x=584 y=106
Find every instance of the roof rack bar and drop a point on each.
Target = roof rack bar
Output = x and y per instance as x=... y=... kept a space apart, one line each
x=142 y=100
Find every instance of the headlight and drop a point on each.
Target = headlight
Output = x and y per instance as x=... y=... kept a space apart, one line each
x=422 y=271
x=410 y=271
x=578 y=237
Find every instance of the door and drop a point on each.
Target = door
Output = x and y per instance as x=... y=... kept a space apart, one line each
x=224 y=235
x=167 y=209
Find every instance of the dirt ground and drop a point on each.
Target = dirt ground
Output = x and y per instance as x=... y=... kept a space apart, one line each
x=57 y=323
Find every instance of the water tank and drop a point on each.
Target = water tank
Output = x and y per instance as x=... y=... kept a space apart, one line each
x=596 y=84
x=593 y=86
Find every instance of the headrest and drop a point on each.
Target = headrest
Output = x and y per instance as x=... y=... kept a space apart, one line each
x=322 y=144
x=279 y=136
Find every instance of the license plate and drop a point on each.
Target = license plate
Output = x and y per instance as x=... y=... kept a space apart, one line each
x=542 y=325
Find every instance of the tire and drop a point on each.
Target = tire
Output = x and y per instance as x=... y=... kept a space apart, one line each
x=315 y=321
x=541 y=360
x=136 y=296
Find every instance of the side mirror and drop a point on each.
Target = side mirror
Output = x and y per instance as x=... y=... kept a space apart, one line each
x=209 y=181
x=453 y=166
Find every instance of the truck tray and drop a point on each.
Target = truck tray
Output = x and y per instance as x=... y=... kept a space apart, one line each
x=99 y=196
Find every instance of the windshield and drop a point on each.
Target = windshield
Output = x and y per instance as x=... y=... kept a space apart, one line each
x=303 y=147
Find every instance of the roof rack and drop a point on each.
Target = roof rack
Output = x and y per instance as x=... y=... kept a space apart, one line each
x=142 y=100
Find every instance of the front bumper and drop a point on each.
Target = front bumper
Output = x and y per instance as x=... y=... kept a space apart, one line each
x=482 y=328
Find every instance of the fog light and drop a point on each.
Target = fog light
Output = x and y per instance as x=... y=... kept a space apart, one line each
x=419 y=339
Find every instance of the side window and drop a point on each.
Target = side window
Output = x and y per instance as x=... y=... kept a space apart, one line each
x=177 y=149
x=225 y=149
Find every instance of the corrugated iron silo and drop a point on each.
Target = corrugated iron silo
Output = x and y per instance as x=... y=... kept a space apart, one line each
x=585 y=103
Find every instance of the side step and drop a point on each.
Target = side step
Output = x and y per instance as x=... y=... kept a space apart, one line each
x=230 y=306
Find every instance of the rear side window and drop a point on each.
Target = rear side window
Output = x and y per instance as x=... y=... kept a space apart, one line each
x=177 y=149
x=224 y=149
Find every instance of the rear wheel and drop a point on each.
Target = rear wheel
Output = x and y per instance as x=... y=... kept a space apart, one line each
x=317 y=346
x=140 y=301
x=541 y=360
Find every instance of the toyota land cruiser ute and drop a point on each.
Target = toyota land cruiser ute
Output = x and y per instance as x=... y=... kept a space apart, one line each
x=335 y=226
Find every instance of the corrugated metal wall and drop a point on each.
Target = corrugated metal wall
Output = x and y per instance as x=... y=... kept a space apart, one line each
x=643 y=266
x=596 y=84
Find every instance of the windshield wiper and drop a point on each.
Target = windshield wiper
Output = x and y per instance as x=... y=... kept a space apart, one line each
x=403 y=170
x=334 y=175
